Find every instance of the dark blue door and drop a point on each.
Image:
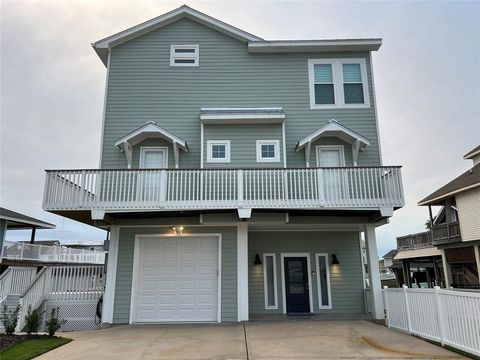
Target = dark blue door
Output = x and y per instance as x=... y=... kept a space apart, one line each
x=296 y=285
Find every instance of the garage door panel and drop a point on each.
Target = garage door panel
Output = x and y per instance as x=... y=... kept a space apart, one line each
x=177 y=280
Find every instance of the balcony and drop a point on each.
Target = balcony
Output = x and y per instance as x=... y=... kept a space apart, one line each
x=415 y=241
x=446 y=233
x=356 y=188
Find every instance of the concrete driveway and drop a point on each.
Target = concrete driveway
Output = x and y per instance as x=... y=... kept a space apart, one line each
x=254 y=340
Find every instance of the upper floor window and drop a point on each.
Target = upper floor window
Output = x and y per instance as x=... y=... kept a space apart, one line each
x=218 y=151
x=338 y=83
x=184 y=55
x=268 y=151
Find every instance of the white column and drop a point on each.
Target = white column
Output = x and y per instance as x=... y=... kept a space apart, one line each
x=374 y=273
x=111 y=278
x=242 y=271
x=477 y=259
x=446 y=269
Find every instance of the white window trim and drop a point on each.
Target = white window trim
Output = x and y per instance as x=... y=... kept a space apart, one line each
x=320 y=306
x=309 y=270
x=337 y=73
x=276 y=143
x=275 y=295
x=185 y=56
x=210 y=143
x=319 y=148
x=145 y=149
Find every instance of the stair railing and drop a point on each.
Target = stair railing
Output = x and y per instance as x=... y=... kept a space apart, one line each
x=5 y=283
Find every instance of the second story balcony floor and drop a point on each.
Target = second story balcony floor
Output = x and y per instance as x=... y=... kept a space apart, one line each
x=144 y=190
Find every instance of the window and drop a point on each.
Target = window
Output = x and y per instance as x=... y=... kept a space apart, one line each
x=184 y=55
x=270 y=281
x=323 y=282
x=338 y=83
x=218 y=151
x=268 y=151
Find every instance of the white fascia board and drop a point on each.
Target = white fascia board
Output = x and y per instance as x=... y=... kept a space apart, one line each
x=447 y=195
x=314 y=45
x=242 y=118
x=266 y=109
x=332 y=126
x=472 y=155
x=151 y=127
x=168 y=18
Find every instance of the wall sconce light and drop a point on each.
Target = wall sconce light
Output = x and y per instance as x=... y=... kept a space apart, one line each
x=335 y=260
x=178 y=230
x=257 y=260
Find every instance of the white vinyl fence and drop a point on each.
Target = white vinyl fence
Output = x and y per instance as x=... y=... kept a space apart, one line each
x=447 y=316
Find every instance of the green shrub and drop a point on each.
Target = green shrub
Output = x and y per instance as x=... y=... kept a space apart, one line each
x=33 y=320
x=10 y=319
x=54 y=323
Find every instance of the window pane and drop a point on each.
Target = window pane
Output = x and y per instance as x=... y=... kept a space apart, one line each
x=322 y=262
x=268 y=151
x=351 y=73
x=353 y=93
x=190 y=50
x=323 y=73
x=324 y=94
x=270 y=281
x=184 y=61
x=218 y=151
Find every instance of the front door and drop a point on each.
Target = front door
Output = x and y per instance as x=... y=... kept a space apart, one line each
x=296 y=285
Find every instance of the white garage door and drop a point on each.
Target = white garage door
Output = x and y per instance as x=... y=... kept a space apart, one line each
x=177 y=280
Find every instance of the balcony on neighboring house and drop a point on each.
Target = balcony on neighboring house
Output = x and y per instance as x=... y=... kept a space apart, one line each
x=143 y=190
x=415 y=241
x=446 y=233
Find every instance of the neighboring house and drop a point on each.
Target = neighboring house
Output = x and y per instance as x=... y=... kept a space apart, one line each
x=457 y=233
x=237 y=174
x=448 y=253
x=386 y=274
x=91 y=245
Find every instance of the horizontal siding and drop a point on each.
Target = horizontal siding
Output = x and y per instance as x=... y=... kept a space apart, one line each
x=346 y=278
x=468 y=205
x=143 y=87
x=123 y=286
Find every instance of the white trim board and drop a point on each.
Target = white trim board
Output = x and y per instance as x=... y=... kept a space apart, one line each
x=309 y=271
x=136 y=263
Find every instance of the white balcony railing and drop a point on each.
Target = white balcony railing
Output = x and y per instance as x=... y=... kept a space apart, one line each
x=48 y=254
x=175 y=189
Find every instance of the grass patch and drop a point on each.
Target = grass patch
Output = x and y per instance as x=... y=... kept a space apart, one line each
x=30 y=348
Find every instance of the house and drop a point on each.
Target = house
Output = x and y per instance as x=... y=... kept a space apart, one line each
x=236 y=174
x=456 y=230
x=92 y=245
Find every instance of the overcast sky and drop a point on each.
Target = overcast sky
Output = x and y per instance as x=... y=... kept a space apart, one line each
x=427 y=82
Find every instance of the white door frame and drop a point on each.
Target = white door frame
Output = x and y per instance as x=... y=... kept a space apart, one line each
x=145 y=149
x=309 y=271
x=136 y=263
x=319 y=148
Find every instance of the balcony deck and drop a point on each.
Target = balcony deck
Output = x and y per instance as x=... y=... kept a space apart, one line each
x=446 y=233
x=356 y=188
x=415 y=241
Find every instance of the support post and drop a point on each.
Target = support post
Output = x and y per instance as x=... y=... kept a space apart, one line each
x=111 y=278
x=32 y=236
x=435 y=269
x=476 y=248
x=374 y=273
x=3 y=231
x=446 y=270
x=242 y=271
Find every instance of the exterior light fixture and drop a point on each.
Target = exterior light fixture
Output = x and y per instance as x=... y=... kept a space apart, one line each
x=335 y=260
x=257 y=260
x=177 y=230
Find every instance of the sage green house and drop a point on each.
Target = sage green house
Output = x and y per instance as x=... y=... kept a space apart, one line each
x=237 y=176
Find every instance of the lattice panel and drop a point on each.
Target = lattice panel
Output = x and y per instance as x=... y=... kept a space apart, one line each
x=80 y=315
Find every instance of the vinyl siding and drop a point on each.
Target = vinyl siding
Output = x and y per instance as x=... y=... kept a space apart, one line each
x=123 y=286
x=345 y=279
x=468 y=205
x=142 y=87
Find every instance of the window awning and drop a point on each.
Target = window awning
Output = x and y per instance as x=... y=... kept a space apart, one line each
x=148 y=131
x=334 y=129
x=264 y=115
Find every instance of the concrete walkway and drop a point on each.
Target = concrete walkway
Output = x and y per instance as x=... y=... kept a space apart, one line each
x=264 y=340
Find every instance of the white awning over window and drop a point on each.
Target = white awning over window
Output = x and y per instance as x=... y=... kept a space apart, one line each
x=148 y=131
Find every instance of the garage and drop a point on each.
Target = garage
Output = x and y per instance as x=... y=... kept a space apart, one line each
x=176 y=279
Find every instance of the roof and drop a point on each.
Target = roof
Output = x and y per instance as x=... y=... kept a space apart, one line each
x=149 y=130
x=20 y=221
x=390 y=254
x=472 y=153
x=468 y=180
x=242 y=115
x=334 y=128
x=255 y=43
x=410 y=254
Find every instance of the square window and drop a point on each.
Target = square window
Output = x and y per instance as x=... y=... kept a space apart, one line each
x=218 y=151
x=268 y=150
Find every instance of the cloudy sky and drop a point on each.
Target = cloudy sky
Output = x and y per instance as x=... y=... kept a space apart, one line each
x=427 y=76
